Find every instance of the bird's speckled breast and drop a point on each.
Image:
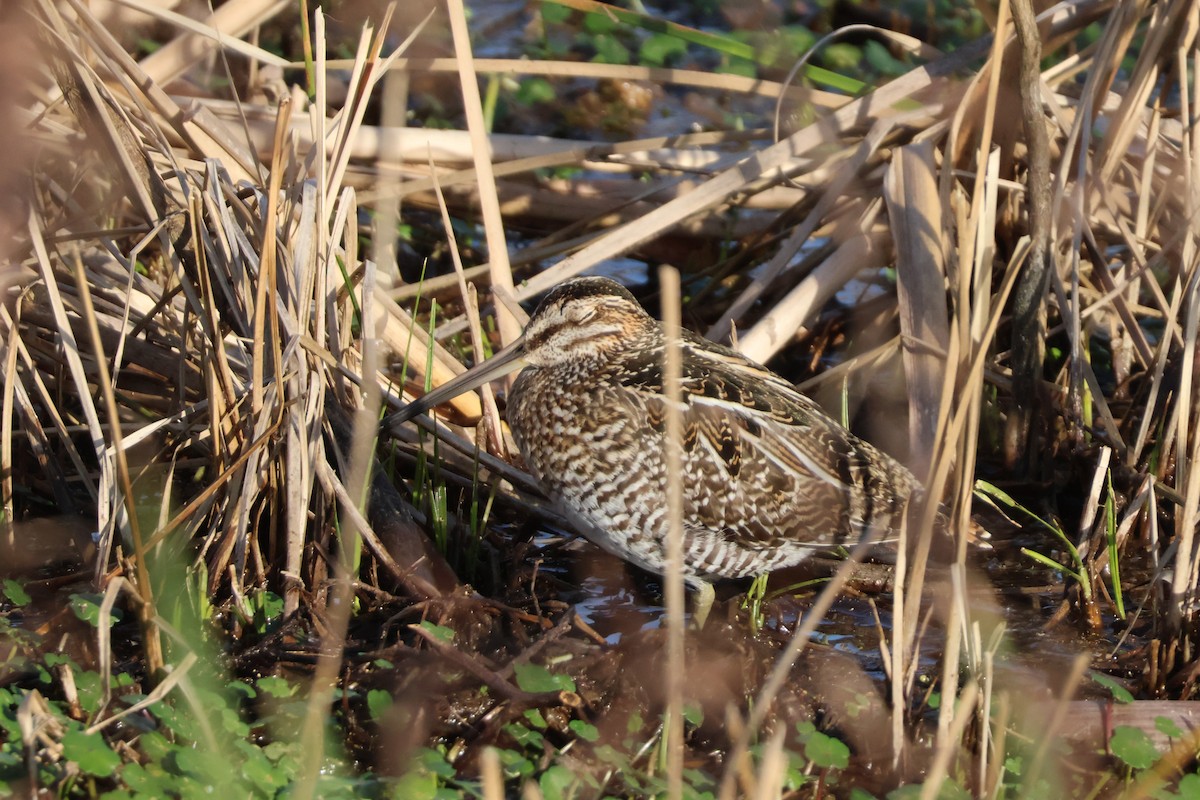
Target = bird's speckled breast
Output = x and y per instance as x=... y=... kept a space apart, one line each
x=589 y=455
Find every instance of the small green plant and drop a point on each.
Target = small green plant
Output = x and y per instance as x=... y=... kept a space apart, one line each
x=1076 y=567
x=1114 y=558
x=1133 y=747
x=15 y=592
x=753 y=602
x=1119 y=693
x=264 y=609
x=217 y=737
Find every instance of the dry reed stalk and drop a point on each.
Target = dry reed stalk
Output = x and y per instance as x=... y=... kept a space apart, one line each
x=491 y=775
x=198 y=129
x=493 y=223
x=1187 y=467
x=142 y=577
x=228 y=22
x=676 y=668
x=338 y=609
x=252 y=409
x=470 y=300
x=858 y=252
x=897 y=657
x=1028 y=342
x=995 y=736
x=948 y=745
x=917 y=221
x=6 y=434
x=772 y=772
x=845 y=175
x=226 y=26
x=512 y=153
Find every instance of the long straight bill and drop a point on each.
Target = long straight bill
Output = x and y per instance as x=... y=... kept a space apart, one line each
x=507 y=360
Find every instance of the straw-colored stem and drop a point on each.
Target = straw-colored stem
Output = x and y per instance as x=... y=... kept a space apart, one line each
x=672 y=375
x=141 y=579
x=501 y=270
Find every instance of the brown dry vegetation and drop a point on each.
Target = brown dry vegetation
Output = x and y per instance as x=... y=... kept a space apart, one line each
x=189 y=284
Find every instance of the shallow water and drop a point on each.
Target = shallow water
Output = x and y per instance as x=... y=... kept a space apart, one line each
x=1007 y=588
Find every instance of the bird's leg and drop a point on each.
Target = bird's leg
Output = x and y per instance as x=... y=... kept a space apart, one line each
x=705 y=594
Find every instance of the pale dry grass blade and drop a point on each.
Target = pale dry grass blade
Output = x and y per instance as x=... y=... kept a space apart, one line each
x=995 y=733
x=303 y=418
x=801 y=305
x=227 y=23
x=11 y=380
x=948 y=745
x=344 y=124
x=179 y=672
x=493 y=224
x=1163 y=34
x=366 y=419
x=916 y=220
x=491 y=775
x=333 y=640
x=319 y=132
x=1188 y=463
x=107 y=520
x=393 y=103
x=1187 y=469
x=676 y=668
x=369 y=69
x=104 y=635
x=897 y=656
x=227 y=39
x=1048 y=736
x=471 y=302
x=265 y=311
x=141 y=578
x=205 y=135
x=773 y=770
x=843 y=177
x=531 y=791
x=1092 y=502
x=971 y=333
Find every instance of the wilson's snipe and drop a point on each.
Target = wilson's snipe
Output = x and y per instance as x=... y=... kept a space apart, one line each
x=768 y=477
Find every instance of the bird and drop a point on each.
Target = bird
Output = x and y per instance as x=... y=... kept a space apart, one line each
x=768 y=478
